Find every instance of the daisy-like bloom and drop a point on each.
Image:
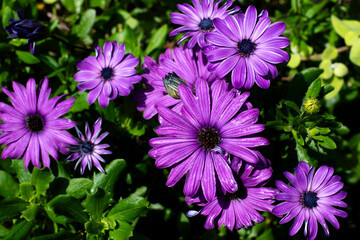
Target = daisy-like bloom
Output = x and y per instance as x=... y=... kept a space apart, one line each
x=198 y=21
x=247 y=47
x=109 y=74
x=32 y=127
x=28 y=29
x=198 y=140
x=239 y=209
x=311 y=199
x=89 y=149
x=182 y=65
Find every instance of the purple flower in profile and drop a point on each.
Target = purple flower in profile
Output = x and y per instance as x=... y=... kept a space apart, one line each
x=199 y=139
x=198 y=21
x=32 y=127
x=29 y=29
x=109 y=74
x=311 y=200
x=89 y=149
x=239 y=209
x=247 y=46
x=182 y=65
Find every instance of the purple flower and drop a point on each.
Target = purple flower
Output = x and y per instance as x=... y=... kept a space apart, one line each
x=247 y=46
x=88 y=150
x=32 y=126
x=199 y=20
x=198 y=140
x=109 y=74
x=183 y=65
x=28 y=29
x=311 y=200
x=238 y=209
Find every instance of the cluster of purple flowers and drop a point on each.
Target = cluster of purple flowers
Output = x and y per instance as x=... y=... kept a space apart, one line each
x=208 y=128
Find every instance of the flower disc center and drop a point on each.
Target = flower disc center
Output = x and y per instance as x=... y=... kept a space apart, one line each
x=171 y=83
x=246 y=47
x=35 y=123
x=87 y=147
x=208 y=138
x=206 y=25
x=107 y=73
x=309 y=199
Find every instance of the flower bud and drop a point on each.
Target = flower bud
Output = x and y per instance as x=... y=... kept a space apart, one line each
x=312 y=105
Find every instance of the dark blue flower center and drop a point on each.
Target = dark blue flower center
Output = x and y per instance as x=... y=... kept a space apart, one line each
x=206 y=25
x=309 y=199
x=171 y=83
x=246 y=47
x=35 y=123
x=87 y=147
x=208 y=138
x=107 y=73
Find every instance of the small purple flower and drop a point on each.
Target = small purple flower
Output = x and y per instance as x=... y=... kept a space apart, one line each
x=198 y=21
x=88 y=150
x=311 y=200
x=199 y=139
x=239 y=209
x=247 y=46
x=182 y=65
x=29 y=29
x=109 y=74
x=32 y=126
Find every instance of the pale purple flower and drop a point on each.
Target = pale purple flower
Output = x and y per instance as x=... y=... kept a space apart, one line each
x=239 y=209
x=248 y=47
x=182 y=65
x=108 y=74
x=311 y=199
x=198 y=20
x=32 y=127
x=197 y=141
x=88 y=151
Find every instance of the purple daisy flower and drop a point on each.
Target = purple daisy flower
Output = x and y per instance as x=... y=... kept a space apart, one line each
x=198 y=140
x=32 y=126
x=89 y=149
x=198 y=21
x=311 y=200
x=109 y=74
x=28 y=29
x=239 y=209
x=182 y=65
x=247 y=46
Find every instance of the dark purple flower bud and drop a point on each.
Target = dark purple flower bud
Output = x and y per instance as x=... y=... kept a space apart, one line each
x=29 y=29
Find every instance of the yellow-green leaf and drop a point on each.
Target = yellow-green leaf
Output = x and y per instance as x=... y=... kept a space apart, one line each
x=340 y=69
x=337 y=83
x=295 y=61
x=355 y=52
x=326 y=66
x=340 y=27
x=350 y=38
x=330 y=53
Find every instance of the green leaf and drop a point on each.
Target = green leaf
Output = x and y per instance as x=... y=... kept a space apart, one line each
x=355 y=53
x=350 y=38
x=329 y=53
x=310 y=74
x=129 y=209
x=107 y=181
x=124 y=231
x=340 y=69
x=295 y=60
x=96 y=203
x=302 y=153
x=73 y=5
x=157 y=39
x=340 y=27
x=354 y=25
x=3 y=231
x=84 y=27
x=299 y=139
x=337 y=84
x=41 y=179
x=27 y=57
x=50 y=1
x=268 y=234
x=81 y=103
x=19 y=168
x=97 y=3
x=326 y=66
x=292 y=105
x=8 y=186
x=61 y=235
x=325 y=141
x=31 y=212
x=64 y=209
x=26 y=191
x=314 y=89
x=20 y=230
x=311 y=12
x=78 y=187
x=6 y=15
x=94 y=227
x=11 y=207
